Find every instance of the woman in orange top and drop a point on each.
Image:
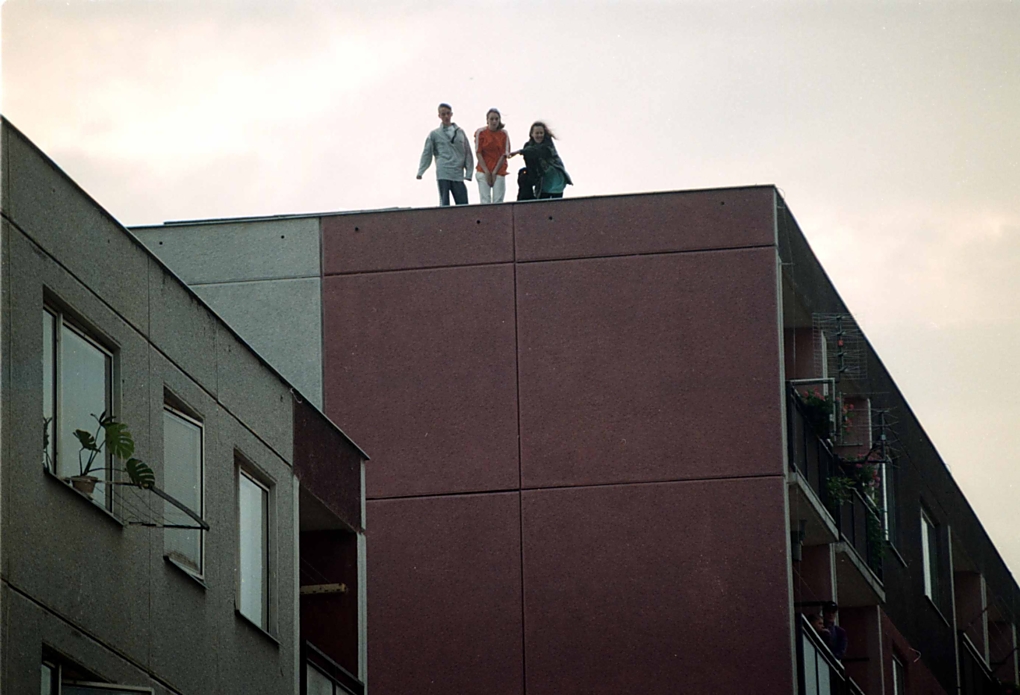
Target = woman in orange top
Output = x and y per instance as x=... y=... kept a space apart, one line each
x=492 y=147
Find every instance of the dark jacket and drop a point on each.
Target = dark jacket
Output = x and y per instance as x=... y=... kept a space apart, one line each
x=539 y=158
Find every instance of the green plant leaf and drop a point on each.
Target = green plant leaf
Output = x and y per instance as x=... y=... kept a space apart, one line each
x=86 y=440
x=118 y=439
x=140 y=473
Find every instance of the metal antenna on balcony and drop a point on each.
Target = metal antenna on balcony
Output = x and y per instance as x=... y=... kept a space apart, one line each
x=850 y=355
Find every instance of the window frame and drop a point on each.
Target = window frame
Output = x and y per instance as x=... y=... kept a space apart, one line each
x=62 y=319
x=171 y=408
x=930 y=557
x=899 y=676
x=80 y=678
x=246 y=472
x=890 y=492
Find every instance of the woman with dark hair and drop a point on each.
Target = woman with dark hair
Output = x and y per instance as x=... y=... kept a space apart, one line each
x=546 y=172
x=492 y=148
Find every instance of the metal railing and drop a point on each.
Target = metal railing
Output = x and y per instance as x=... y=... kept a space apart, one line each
x=341 y=681
x=809 y=455
x=857 y=519
x=818 y=671
x=975 y=676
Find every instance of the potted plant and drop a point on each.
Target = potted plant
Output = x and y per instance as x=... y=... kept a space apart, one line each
x=116 y=441
x=817 y=409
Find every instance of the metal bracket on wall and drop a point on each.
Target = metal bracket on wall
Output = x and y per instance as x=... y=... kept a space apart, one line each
x=313 y=589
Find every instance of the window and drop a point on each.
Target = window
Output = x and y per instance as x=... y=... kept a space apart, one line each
x=61 y=677
x=899 y=680
x=253 y=556
x=318 y=682
x=182 y=470
x=930 y=557
x=50 y=679
x=77 y=378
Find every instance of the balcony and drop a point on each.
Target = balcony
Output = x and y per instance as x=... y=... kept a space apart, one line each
x=323 y=676
x=848 y=518
x=818 y=671
x=975 y=676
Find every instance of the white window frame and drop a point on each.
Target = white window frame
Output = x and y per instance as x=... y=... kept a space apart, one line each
x=169 y=409
x=888 y=512
x=929 y=560
x=244 y=473
x=899 y=677
x=53 y=429
x=57 y=682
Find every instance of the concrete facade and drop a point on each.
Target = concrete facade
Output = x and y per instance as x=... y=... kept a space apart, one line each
x=591 y=472
x=86 y=586
x=252 y=275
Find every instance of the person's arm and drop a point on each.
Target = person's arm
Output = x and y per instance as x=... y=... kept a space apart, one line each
x=469 y=159
x=481 y=159
x=502 y=158
x=426 y=156
x=840 y=643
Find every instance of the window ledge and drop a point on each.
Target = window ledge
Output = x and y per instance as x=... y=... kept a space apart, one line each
x=245 y=619
x=187 y=571
x=82 y=496
x=937 y=610
x=897 y=554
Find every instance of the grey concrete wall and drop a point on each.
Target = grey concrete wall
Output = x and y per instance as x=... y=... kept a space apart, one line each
x=262 y=277
x=279 y=319
x=74 y=577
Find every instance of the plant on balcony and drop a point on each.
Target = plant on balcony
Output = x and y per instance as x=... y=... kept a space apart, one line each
x=117 y=441
x=817 y=409
x=840 y=489
x=875 y=532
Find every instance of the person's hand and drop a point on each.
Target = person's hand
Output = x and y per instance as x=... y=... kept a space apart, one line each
x=514 y=153
x=418 y=177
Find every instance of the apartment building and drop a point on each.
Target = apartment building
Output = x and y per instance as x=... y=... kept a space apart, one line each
x=222 y=550
x=621 y=444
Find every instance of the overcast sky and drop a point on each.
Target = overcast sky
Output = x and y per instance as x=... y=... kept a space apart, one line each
x=892 y=128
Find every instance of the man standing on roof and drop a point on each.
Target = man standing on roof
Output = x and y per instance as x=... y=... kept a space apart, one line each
x=454 y=161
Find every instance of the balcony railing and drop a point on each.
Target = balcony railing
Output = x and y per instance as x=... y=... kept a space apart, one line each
x=975 y=676
x=819 y=672
x=857 y=519
x=323 y=676
x=809 y=455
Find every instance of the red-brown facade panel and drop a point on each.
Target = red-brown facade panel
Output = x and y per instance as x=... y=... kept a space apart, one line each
x=649 y=368
x=919 y=679
x=641 y=224
x=396 y=240
x=446 y=595
x=657 y=588
x=420 y=367
x=327 y=464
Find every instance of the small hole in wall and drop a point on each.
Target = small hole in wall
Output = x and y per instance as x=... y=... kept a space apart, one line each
x=723 y=202
x=550 y=217
x=356 y=229
x=478 y=221
x=161 y=243
x=281 y=236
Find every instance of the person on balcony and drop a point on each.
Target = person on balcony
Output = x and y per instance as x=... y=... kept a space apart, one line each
x=819 y=625
x=837 y=636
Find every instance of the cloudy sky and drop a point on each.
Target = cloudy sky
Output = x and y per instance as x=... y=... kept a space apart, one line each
x=891 y=128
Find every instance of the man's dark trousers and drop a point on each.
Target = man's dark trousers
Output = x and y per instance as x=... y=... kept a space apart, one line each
x=458 y=189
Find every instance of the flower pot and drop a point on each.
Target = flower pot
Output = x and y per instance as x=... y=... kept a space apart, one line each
x=85 y=484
